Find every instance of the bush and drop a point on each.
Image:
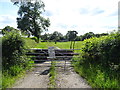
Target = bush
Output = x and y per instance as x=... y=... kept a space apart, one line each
x=99 y=61
x=13 y=50
x=104 y=50
x=14 y=60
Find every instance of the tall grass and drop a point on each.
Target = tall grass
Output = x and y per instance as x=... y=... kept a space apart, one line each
x=52 y=75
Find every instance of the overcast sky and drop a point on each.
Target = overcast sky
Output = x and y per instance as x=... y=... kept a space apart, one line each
x=98 y=16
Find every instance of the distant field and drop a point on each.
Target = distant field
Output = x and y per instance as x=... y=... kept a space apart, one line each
x=62 y=45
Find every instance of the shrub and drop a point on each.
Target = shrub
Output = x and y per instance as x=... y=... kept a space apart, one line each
x=99 y=61
x=103 y=51
x=13 y=50
x=14 y=70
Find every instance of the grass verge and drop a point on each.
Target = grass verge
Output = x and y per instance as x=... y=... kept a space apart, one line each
x=8 y=79
x=96 y=76
x=52 y=75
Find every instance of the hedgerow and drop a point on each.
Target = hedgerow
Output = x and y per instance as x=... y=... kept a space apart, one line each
x=13 y=50
x=14 y=60
x=103 y=51
x=99 y=62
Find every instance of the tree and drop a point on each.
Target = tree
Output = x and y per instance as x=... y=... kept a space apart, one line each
x=88 y=35
x=30 y=18
x=45 y=37
x=71 y=36
x=56 y=36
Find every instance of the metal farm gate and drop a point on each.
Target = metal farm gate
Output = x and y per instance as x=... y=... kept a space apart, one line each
x=51 y=54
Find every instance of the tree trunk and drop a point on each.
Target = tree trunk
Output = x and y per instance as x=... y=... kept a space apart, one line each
x=28 y=35
x=38 y=39
x=71 y=45
x=55 y=42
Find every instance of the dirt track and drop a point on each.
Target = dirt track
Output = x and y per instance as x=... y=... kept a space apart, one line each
x=67 y=78
x=39 y=78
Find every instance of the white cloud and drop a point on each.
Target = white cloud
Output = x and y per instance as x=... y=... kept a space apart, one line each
x=82 y=15
x=7 y=20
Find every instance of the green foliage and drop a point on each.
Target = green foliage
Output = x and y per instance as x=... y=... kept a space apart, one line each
x=99 y=61
x=104 y=50
x=14 y=60
x=45 y=37
x=10 y=76
x=7 y=81
x=13 y=52
x=52 y=75
x=8 y=29
x=30 y=19
x=56 y=36
x=96 y=76
x=35 y=39
x=71 y=35
x=15 y=70
x=90 y=35
x=30 y=43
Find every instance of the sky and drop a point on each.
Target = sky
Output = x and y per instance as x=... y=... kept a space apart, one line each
x=98 y=16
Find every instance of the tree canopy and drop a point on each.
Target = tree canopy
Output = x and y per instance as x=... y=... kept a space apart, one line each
x=71 y=35
x=56 y=36
x=31 y=19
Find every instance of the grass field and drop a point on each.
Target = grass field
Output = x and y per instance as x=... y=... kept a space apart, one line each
x=62 y=45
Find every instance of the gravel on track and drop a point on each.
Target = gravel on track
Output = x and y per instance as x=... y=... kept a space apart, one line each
x=68 y=78
x=38 y=78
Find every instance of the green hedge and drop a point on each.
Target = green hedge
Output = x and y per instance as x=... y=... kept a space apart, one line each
x=99 y=61
x=13 y=50
x=14 y=60
x=104 y=50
